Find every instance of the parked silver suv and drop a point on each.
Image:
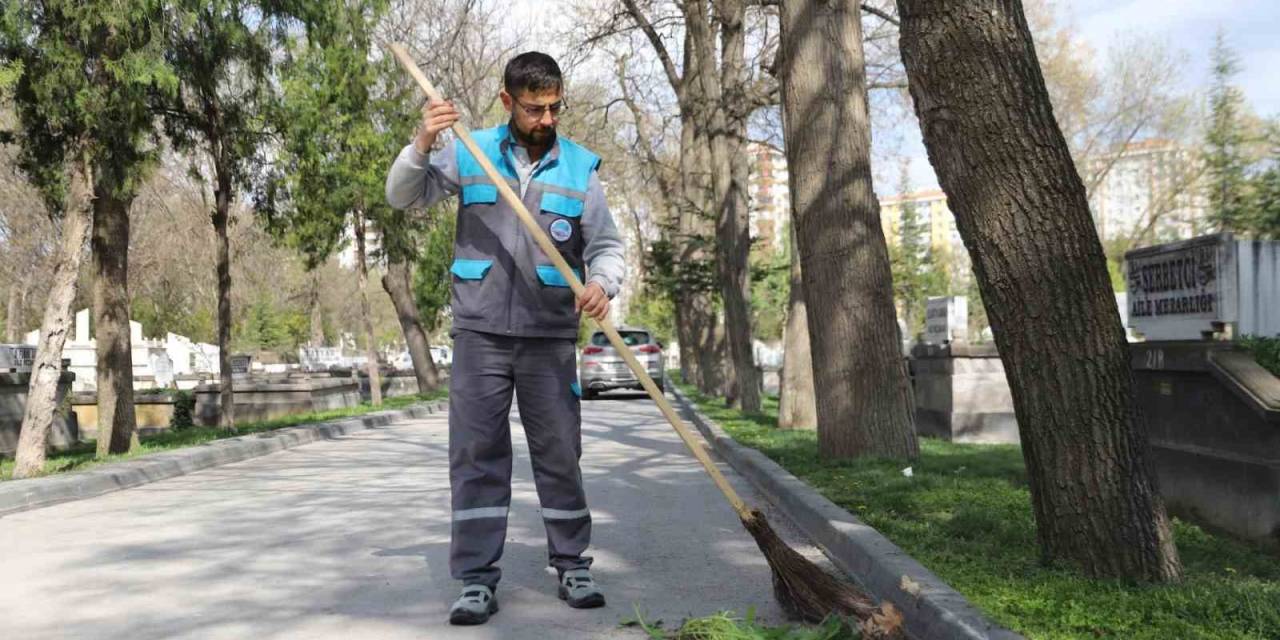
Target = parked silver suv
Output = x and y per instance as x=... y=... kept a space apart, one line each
x=602 y=369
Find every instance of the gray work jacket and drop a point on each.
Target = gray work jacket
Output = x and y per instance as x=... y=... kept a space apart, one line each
x=502 y=283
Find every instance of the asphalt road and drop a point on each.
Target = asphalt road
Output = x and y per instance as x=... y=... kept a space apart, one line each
x=348 y=538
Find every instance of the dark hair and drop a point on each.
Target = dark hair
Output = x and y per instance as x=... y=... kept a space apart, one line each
x=532 y=71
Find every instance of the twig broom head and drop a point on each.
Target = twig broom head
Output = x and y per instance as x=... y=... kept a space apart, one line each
x=807 y=592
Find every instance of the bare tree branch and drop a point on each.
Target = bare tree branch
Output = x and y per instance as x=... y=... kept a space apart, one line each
x=879 y=13
x=655 y=39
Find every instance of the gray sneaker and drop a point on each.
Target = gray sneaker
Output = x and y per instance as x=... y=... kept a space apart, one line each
x=579 y=590
x=474 y=606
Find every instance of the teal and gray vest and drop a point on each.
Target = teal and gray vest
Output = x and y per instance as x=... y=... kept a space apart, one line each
x=502 y=282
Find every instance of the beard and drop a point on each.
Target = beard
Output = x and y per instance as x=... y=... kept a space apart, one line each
x=538 y=137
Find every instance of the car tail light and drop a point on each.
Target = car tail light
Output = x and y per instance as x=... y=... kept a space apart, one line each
x=650 y=348
x=590 y=351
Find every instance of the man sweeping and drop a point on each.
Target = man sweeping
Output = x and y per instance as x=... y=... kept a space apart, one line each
x=515 y=324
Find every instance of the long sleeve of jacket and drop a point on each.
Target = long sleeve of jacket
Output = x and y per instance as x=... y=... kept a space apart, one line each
x=416 y=181
x=604 y=254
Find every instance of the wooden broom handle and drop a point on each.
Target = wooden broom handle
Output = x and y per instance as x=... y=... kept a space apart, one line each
x=464 y=135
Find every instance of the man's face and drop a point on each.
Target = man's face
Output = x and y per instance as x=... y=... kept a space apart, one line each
x=534 y=114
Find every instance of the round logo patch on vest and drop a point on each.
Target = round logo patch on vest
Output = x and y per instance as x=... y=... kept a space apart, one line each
x=561 y=230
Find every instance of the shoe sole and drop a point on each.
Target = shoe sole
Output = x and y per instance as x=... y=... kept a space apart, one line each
x=462 y=617
x=592 y=601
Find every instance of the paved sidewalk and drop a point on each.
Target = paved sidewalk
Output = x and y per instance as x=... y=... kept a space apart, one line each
x=348 y=538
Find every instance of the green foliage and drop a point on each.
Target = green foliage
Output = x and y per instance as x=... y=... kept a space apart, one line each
x=220 y=51
x=671 y=266
x=1264 y=190
x=184 y=406
x=917 y=275
x=977 y=310
x=1266 y=350
x=1243 y=188
x=966 y=515
x=10 y=71
x=174 y=314
x=343 y=117
x=726 y=626
x=431 y=277
x=652 y=309
x=770 y=294
x=1225 y=140
x=1115 y=270
x=268 y=328
x=82 y=77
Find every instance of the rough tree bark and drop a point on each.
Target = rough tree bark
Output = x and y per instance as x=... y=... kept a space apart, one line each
x=796 y=408
x=42 y=393
x=863 y=395
x=701 y=344
x=695 y=300
x=110 y=242
x=221 y=218
x=371 y=347
x=398 y=284
x=1021 y=209
x=730 y=162
x=13 y=315
x=316 y=312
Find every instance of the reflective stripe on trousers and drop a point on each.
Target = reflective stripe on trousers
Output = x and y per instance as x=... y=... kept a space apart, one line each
x=487 y=369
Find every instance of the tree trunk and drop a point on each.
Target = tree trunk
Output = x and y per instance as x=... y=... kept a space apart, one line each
x=697 y=310
x=796 y=408
x=1021 y=209
x=116 y=421
x=371 y=350
x=862 y=392
x=398 y=285
x=317 y=314
x=729 y=180
x=221 y=217
x=13 y=313
x=42 y=393
x=684 y=336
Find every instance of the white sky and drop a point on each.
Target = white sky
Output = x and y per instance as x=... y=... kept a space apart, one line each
x=1252 y=28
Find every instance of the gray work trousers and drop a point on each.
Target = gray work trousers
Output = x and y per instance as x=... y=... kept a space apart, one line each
x=542 y=373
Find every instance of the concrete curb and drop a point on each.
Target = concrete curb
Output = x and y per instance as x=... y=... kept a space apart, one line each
x=938 y=611
x=34 y=493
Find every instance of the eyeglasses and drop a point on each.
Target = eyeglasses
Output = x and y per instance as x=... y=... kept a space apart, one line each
x=536 y=111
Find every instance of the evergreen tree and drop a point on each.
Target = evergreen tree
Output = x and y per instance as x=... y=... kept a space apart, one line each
x=1225 y=140
x=221 y=51
x=81 y=76
x=343 y=118
x=1264 y=202
x=431 y=277
x=916 y=273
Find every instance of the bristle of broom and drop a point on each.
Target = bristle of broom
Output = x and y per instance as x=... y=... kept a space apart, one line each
x=807 y=592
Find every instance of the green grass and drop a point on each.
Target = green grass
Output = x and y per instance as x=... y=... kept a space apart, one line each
x=726 y=626
x=966 y=515
x=82 y=456
x=1265 y=350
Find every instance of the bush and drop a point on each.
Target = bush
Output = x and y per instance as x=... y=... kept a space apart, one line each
x=184 y=405
x=1265 y=350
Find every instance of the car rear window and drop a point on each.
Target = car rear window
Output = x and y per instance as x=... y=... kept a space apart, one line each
x=630 y=338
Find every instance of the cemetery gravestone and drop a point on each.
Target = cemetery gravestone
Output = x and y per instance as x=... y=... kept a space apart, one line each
x=1203 y=287
x=240 y=364
x=162 y=367
x=946 y=320
x=1212 y=410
